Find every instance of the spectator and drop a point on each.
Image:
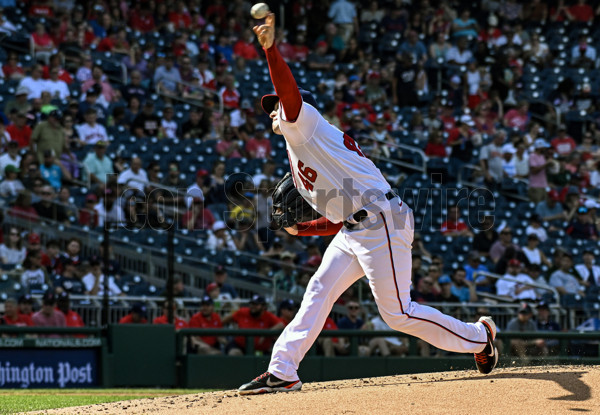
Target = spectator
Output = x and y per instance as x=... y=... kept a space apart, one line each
x=562 y=143
x=48 y=316
x=454 y=226
x=462 y=288
x=259 y=147
x=220 y=278
x=319 y=60
x=11 y=186
x=473 y=265
x=198 y=216
x=69 y=280
x=563 y=279
x=459 y=54
x=523 y=323
x=50 y=171
x=94 y=281
x=19 y=131
x=446 y=295
x=230 y=95
x=134 y=88
x=586 y=271
x=90 y=132
x=583 y=54
x=220 y=238
x=535 y=228
x=516 y=290
x=465 y=26
x=287 y=311
x=167 y=79
x=137 y=315
x=267 y=173
x=518 y=117
x=197 y=189
x=490 y=159
x=255 y=316
x=20 y=103
x=52 y=256
x=285 y=278
x=486 y=236
x=582 y=226
x=424 y=291
x=134 y=177
x=206 y=318
x=34 y=83
x=88 y=216
x=97 y=164
x=34 y=276
x=534 y=254
x=178 y=322
x=545 y=322
x=12 y=317
x=414 y=47
x=22 y=207
x=147 y=123
x=73 y=319
x=57 y=87
x=49 y=135
x=353 y=321
x=99 y=79
x=229 y=147
x=343 y=14
x=12 y=251
x=435 y=145
x=504 y=242
x=550 y=209
x=26 y=303
x=168 y=126
x=244 y=47
x=194 y=127
x=47 y=208
x=387 y=346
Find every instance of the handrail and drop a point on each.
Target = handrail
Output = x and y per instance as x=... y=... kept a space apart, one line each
x=477 y=168
x=193 y=101
x=419 y=151
x=529 y=284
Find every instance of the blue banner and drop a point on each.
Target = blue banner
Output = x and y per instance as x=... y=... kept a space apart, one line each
x=47 y=368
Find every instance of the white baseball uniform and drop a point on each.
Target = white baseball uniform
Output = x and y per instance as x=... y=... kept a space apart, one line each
x=335 y=177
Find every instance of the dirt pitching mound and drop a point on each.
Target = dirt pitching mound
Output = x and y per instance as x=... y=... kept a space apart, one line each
x=530 y=390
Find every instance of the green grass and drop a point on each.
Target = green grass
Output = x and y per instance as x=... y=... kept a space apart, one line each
x=23 y=400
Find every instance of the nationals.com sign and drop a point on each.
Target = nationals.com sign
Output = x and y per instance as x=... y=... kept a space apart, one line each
x=31 y=368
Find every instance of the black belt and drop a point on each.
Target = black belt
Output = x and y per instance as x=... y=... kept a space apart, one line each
x=360 y=215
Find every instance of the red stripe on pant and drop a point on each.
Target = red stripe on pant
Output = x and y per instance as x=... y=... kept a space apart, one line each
x=398 y=291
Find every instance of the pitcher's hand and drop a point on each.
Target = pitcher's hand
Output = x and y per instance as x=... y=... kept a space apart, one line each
x=266 y=32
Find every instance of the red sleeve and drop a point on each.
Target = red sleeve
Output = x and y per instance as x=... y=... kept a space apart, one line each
x=284 y=83
x=319 y=227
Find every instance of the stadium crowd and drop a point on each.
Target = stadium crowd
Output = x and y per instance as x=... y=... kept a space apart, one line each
x=500 y=94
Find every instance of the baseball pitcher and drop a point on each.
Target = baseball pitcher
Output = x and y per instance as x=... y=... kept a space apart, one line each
x=374 y=233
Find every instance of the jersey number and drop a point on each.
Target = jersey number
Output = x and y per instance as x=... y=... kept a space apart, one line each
x=307 y=176
x=352 y=145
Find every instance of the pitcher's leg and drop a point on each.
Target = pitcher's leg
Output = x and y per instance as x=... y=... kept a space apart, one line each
x=337 y=272
x=387 y=262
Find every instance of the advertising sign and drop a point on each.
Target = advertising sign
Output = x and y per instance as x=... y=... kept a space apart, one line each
x=47 y=368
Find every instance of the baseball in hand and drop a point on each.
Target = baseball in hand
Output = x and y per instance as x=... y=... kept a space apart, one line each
x=260 y=10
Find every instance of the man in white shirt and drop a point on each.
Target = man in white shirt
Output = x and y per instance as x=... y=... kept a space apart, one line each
x=94 y=281
x=91 y=132
x=459 y=54
x=134 y=176
x=57 y=87
x=34 y=83
x=588 y=271
x=515 y=290
x=490 y=159
x=10 y=157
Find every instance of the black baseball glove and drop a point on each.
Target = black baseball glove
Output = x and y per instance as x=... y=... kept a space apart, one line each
x=289 y=207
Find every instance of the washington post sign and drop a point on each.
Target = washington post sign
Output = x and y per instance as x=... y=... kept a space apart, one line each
x=48 y=368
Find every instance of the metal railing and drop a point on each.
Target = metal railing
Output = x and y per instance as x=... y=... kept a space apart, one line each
x=192 y=101
x=421 y=168
x=462 y=180
x=553 y=290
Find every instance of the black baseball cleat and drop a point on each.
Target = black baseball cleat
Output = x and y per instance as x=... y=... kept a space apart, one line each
x=487 y=359
x=266 y=383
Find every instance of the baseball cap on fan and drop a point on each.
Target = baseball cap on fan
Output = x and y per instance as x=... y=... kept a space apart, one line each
x=268 y=101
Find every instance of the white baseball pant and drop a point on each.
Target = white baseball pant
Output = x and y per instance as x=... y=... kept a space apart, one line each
x=379 y=248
